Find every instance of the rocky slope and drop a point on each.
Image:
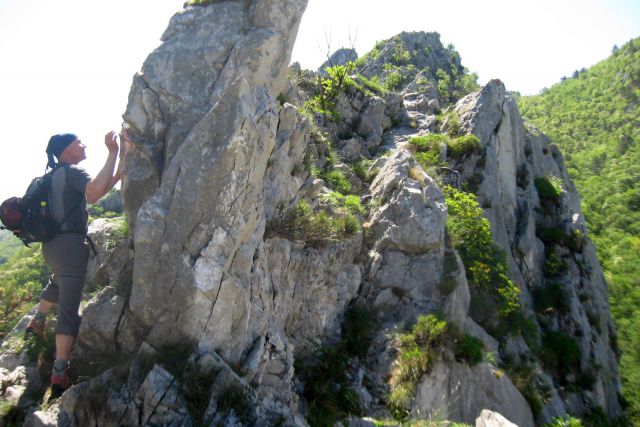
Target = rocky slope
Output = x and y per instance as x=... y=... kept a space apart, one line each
x=221 y=291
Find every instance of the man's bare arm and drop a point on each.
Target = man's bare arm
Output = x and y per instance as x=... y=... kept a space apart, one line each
x=105 y=180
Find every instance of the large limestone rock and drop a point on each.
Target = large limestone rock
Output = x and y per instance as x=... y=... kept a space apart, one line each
x=407 y=231
x=513 y=156
x=459 y=392
x=203 y=108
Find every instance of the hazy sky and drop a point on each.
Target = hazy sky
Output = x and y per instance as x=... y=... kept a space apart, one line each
x=66 y=65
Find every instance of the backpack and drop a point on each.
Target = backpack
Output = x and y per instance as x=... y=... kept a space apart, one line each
x=30 y=217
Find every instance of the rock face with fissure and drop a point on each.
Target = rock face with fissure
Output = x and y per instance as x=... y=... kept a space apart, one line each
x=515 y=156
x=208 y=136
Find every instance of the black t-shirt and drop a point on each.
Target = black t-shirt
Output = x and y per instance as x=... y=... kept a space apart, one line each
x=68 y=199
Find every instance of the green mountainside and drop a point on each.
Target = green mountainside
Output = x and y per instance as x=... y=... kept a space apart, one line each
x=9 y=245
x=594 y=118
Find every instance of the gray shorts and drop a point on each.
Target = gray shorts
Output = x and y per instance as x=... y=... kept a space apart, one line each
x=67 y=255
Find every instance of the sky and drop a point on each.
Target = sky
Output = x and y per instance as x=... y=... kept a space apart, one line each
x=67 y=65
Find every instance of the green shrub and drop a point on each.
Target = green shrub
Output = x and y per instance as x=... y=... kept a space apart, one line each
x=567 y=421
x=554 y=265
x=548 y=188
x=236 y=398
x=347 y=225
x=453 y=125
x=484 y=262
x=551 y=235
x=338 y=182
x=361 y=169
x=326 y=384
x=372 y=84
x=400 y=55
x=574 y=240
x=351 y=203
x=328 y=89
x=361 y=61
x=551 y=298
x=399 y=400
x=393 y=80
x=356 y=330
x=426 y=149
x=469 y=350
x=119 y=233
x=444 y=84
x=457 y=147
x=10 y=414
x=428 y=160
x=560 y=353
x=302 y=223
x=21 y=280
x=463 y=145
x=430 y=142
x=495 y=299
x=524 y=378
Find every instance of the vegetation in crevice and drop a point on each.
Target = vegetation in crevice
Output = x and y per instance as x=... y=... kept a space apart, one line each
x=314 y=226
x=427 y=148
x=326 y=381
x=495 y=298
x=325 y=92
x=418 y=350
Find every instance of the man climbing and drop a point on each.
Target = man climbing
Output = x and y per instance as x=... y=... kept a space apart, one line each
x=67 y=254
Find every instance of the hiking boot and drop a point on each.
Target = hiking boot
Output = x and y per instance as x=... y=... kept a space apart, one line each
x=35 y=328
x=59 y=381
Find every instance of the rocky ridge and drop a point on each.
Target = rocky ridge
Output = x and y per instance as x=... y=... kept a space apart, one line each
x=206 y=301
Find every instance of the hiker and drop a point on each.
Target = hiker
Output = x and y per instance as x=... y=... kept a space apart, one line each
x=67 y=254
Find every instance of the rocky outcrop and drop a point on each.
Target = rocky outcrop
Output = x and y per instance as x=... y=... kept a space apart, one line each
x=424 y=51
x=201 y=314
x=515 y=158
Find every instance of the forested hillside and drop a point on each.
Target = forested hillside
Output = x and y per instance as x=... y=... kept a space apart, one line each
x=21 y=281
x=8 y=245
x=594 y=117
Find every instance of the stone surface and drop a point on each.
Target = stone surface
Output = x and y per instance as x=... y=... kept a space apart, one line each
x=458 y=392
x=412 y=215
x=106 y=235
x=492 y=419
x=48 y=418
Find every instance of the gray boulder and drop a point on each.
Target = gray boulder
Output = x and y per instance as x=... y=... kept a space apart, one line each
x=459 y=392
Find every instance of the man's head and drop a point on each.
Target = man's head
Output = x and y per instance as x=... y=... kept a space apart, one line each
x=67 y=148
